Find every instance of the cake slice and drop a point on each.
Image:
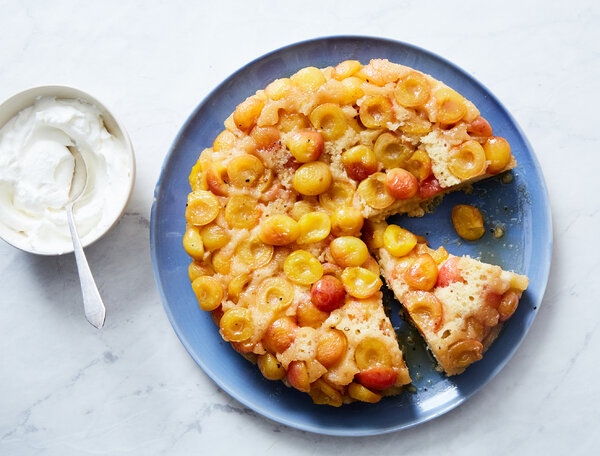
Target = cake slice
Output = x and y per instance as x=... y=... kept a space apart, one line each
x=458 y=304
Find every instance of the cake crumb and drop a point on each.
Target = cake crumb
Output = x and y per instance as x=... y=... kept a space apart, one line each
x=497 y=232
x=507 y=178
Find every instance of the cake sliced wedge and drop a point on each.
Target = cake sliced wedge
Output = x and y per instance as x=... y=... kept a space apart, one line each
x=458 y=304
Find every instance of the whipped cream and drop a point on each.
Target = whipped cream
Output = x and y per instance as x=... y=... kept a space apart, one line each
x=36 y=169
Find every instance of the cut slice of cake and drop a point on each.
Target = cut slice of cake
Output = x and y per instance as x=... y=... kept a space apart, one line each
x=458 y=304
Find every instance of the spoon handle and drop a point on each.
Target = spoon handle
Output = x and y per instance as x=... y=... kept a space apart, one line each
x=95 y=312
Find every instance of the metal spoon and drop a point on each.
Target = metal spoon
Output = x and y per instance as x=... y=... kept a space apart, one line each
x=95 y=312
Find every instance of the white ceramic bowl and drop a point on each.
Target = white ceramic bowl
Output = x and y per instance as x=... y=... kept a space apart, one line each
x=27 y=98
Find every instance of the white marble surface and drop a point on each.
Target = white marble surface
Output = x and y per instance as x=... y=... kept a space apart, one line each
x=66 y=388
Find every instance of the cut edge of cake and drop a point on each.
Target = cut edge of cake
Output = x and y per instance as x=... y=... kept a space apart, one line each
x=462 y=312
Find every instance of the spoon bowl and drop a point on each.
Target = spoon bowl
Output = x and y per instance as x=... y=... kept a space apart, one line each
x=79 y=180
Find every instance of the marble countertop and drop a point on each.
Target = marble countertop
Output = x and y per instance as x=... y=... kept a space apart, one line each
x=131 y=388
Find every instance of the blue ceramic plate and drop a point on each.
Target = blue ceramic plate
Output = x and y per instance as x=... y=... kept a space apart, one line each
x=520 y=207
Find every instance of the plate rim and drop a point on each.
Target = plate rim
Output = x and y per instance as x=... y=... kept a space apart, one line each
x=308 y=427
